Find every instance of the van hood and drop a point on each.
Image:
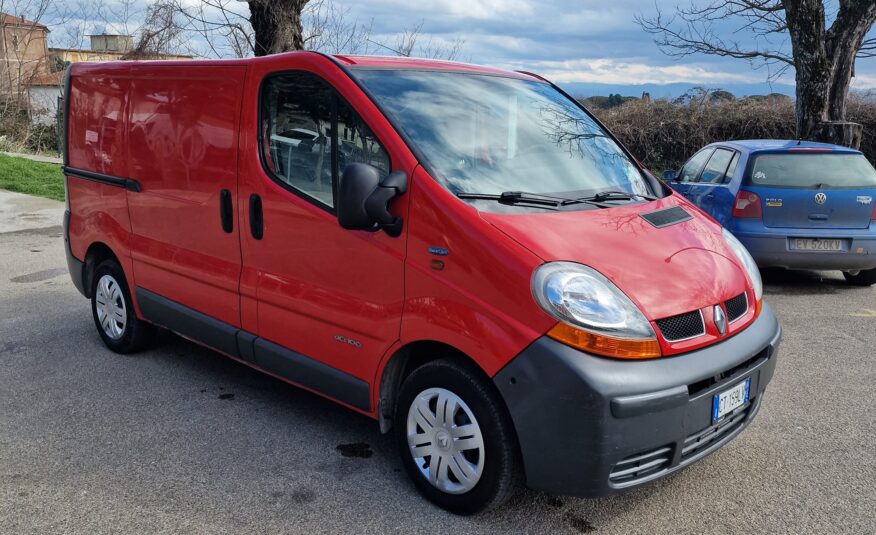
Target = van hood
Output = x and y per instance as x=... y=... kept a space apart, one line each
x=666 y=271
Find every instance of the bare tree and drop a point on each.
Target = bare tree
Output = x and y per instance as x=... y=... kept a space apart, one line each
x=276 y=25
x=413 y=42
x=320 y=25
x=159 y=33
x=823 y=57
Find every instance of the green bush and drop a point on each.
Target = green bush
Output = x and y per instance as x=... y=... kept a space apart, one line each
x=663 y=135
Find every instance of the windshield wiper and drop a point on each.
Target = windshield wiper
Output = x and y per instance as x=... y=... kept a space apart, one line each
x=616 y=195
x=520 y=198
x=516 y=198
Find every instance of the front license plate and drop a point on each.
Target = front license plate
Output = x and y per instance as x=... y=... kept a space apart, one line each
x=814 y=244
x=729 y=400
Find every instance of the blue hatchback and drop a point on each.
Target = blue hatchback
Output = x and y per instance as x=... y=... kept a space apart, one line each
x=797 y=205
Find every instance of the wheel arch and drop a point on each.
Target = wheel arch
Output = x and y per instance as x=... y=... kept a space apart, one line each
x=405 y=360
x=96 y=253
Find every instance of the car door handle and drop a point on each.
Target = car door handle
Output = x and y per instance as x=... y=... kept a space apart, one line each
x=710 y=196
x=256 y=217
x=226 y=211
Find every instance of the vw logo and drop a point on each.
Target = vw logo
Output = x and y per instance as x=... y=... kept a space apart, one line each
x=820 y=198
x=720 y=319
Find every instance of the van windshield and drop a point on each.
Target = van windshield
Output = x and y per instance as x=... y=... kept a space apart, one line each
x=491 y=134
x=811 y=170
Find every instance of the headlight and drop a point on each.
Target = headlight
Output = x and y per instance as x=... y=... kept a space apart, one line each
x=594 y=315
x=747 y=262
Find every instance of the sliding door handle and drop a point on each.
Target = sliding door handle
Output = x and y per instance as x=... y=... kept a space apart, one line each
x=226 y=211
x=256 y=217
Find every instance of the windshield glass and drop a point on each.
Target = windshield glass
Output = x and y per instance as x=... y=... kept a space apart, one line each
x=810 y=170
x=491 y=134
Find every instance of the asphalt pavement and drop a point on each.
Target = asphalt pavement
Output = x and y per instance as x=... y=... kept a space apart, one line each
x=181 y=440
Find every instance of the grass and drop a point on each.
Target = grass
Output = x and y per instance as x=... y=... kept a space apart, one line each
x=34 y=178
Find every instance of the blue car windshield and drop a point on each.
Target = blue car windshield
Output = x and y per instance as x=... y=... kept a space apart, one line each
x=493 y=134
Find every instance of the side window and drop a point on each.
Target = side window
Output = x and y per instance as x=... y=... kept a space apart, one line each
x=731 y=169
x=692 y=168
x=309 y=134
x=716 y=169
x=356 y=142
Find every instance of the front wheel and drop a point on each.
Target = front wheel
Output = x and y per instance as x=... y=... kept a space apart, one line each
x=456 y=438
x=865 y=277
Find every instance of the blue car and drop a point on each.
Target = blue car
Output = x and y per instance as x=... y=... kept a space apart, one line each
x=797 y=205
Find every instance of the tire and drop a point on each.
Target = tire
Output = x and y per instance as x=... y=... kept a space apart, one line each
x=865 y=277
x=110 y=303
x=479 y=420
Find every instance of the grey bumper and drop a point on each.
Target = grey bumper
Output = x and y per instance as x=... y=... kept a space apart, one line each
x=591 y=426
x=773 y=251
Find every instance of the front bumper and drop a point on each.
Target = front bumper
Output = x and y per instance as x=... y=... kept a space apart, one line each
x=592 y=426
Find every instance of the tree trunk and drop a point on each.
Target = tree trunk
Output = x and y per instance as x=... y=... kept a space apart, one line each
x=825 y=64
x=277 y=25
x=805 y=19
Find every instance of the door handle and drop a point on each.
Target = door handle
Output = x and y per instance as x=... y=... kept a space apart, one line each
x=226 y=211
x=256 y=217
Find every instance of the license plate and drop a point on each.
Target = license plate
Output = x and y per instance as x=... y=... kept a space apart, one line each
x=814 y=244
x=730 y=400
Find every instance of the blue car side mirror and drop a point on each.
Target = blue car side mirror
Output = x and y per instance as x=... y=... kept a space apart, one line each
x=670 y=175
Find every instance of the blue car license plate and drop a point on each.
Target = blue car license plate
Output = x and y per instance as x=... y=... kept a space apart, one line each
x=730 y=399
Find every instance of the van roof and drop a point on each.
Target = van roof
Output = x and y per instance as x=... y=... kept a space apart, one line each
x=348 y=61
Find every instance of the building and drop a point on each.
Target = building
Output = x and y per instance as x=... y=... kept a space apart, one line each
x=32 y=73
x=104 y=48
x=24 y=53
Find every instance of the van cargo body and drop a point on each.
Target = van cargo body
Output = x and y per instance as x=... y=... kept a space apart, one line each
x=410 y=239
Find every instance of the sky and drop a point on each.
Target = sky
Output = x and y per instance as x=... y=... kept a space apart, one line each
x=588 y=46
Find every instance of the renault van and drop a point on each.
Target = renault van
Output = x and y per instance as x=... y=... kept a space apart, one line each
x=461 y=253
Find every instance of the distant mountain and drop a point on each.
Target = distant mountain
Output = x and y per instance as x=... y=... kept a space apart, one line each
x=584 y=90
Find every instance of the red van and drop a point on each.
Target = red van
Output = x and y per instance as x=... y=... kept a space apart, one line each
x=461 y=253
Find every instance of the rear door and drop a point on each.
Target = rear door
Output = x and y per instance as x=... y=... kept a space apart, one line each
x=182 y=149
x=813 y=189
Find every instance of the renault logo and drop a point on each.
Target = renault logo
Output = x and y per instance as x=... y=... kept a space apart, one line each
x=820 y=198
x=720 y=319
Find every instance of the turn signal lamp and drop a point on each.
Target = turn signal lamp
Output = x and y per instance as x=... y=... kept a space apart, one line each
x=597 y=344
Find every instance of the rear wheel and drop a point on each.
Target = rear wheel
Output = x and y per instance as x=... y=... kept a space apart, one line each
x=113 y=311
x=456 y=439
x=865 y=277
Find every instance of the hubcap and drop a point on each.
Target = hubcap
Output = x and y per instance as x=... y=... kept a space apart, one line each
x=111 y=312
x=445 y=441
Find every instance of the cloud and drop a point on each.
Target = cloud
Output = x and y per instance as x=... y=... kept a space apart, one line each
x=610 y=71
x=568 y=41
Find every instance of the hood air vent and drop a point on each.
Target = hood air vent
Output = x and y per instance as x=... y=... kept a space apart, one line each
x=666 y=217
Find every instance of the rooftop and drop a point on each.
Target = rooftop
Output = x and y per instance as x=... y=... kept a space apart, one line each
x=11 y=20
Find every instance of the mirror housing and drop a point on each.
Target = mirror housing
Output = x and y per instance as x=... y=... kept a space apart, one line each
x=363 y=199
x=670 y=175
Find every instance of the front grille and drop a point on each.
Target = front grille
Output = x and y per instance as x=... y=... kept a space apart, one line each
x=700 y=441
x=736 y=307
x=682 y=327
x=640 y=466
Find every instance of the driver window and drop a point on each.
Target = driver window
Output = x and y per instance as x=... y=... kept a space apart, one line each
x=309 y=135
x=692 y=168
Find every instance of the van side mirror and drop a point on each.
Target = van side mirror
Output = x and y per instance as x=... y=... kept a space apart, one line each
x=363 y=199
x=670 y=175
